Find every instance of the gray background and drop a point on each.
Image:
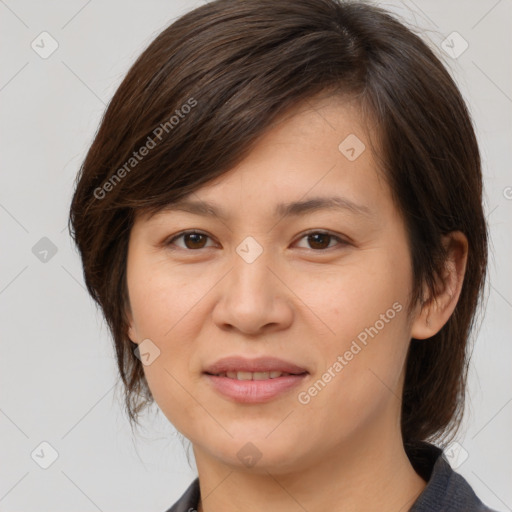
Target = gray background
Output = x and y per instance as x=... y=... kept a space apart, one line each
x=57 y=370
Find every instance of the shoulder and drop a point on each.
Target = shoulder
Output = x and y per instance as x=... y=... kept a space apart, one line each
x=189 y=499
x=446 y=489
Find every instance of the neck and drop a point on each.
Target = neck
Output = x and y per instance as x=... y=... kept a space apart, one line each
x=369 y=473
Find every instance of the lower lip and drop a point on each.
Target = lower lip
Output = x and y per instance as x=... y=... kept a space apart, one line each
x=254 y=391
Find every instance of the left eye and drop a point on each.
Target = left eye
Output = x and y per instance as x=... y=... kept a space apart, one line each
x=318 y=240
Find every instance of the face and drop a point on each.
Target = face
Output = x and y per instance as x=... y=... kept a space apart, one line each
x=315 y=291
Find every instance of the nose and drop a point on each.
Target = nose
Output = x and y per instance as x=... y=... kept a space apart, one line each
x=252 y=298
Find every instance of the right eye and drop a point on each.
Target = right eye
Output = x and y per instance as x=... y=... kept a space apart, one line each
x=192 y=240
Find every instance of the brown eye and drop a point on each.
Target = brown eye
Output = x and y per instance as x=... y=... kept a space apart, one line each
x=192 y=240
x=319 y=240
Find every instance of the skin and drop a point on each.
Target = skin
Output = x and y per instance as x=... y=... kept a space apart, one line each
x=198 y=301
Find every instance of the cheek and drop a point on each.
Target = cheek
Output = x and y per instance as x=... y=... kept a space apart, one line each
x=353 y=296
x=166 y=305
x=364 y=306
x=360 y=379
x=162 y=298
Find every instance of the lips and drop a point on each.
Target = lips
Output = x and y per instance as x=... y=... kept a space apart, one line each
x=253 y=375
x=240 y=365
x=254 y=380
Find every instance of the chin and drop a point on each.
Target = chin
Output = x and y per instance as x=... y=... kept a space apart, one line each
x=257 y=453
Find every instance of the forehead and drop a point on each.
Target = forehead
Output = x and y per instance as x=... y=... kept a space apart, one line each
x=309 y=140
x=317 y=155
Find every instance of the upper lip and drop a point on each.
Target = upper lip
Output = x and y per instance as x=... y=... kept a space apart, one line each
x=260 y=364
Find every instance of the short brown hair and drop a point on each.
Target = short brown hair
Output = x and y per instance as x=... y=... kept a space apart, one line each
x=239 y=65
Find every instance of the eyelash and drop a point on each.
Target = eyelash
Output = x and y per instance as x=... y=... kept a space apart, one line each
x=340 y=240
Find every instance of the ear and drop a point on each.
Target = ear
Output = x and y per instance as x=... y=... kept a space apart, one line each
x=132 y=335
x=132 y=331
x=435 y=311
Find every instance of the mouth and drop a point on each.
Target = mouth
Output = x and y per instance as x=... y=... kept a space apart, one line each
x=254 y=380
x=241 y=375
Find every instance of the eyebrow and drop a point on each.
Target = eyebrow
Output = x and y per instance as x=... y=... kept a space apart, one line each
x=292 y=209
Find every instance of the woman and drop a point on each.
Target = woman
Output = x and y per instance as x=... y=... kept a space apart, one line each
x=281 y=218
